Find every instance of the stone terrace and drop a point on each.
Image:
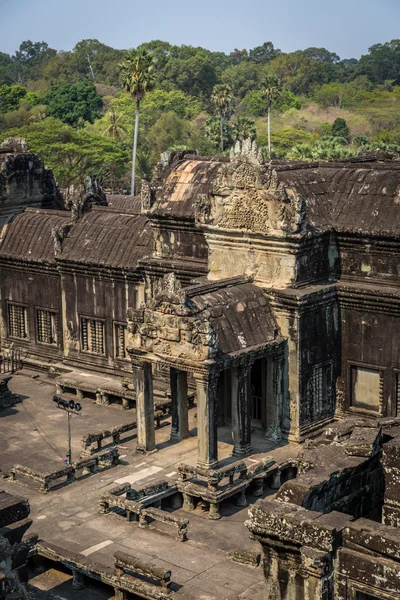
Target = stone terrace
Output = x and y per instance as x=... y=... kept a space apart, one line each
x=201 y=568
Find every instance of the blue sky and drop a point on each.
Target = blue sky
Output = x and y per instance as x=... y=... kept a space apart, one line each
x=347 y=27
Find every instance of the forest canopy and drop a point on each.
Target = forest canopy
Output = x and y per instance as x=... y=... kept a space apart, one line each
x=72 y=109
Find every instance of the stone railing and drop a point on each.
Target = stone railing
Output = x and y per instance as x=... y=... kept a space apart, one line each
x=70 y=473
x=126 y=577
x=113 y=434
x=156 y=514
x=125 y=563
x=226 y=482
x=145 y=504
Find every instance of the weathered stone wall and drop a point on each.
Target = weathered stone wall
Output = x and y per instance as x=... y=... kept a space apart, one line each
x=89 y=293
x=370 y=340
x=24 y=181
x=34 y=288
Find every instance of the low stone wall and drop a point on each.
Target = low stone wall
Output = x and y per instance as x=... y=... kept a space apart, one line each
x=114 y=434
x=144 y=505
x=231 y=481
x=70 y=473
x=124 y=577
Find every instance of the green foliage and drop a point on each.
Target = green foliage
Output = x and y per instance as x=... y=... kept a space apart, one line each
x=255 y=105
x=315 y=98
x=137 y=74
x=160 y=101
x=10 y=97
x=74 y=104
x=283 y=140
x=169 y=130
x=213 y=132
x=72 y=154
x=382 y=62
x=244 y=78
x=328 y=148
x=265 y=53
x=244 y=128
x=340 y=130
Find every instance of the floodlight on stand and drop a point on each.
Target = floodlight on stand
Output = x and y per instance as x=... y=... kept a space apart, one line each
x=71 y=404
x=78 y=407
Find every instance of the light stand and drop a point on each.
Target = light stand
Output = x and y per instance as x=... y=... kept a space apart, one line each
x=71 y=408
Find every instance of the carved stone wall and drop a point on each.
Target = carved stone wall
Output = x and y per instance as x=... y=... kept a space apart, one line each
x=24 y=181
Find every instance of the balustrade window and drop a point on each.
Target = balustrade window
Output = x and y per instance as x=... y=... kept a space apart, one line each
x=92 y=335
x=18 y=321
x=47 y=327
x=322 y=389
x=120 y=334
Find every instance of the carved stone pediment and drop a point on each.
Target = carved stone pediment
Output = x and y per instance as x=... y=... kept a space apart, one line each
x=170 y=325
x=247 y=195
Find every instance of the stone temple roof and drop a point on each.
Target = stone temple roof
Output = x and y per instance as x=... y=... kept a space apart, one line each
x=29 y=237
x=361 y=197
x=108 y=238
x=183 y=185
x=240 y=315
x=103 y=237
x=124 y=203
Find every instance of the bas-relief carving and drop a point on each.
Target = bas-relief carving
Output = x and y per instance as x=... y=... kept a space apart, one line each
x=246 y=195
x=171 y=325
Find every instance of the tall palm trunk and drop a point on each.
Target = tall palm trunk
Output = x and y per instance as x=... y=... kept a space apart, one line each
x=221 y=126
x=135 y=138
x=269 y=131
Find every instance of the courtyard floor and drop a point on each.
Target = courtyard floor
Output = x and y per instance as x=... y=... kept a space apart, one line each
x=34 y=434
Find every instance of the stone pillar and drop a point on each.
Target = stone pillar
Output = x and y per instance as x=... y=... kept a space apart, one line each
x=241 y=415
x=78 y=580
x=179 y=394
x=275 y=400
x=207 y=443
x=143 y=382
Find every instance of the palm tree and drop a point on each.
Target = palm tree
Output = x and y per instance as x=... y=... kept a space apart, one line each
x=114 y=130
x=221 y=100
x=137 y=78
x=271 y=92
x=244 y=128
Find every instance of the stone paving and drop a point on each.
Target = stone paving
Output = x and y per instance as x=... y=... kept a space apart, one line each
x=201 y=568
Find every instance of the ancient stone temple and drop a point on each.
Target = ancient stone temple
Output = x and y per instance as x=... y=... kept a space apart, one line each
x=267 y=293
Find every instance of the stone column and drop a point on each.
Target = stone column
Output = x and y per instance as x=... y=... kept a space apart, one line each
x=207 y=443
x=275 y=400
x=241 y=415
x=179 y=394
x=143 y=382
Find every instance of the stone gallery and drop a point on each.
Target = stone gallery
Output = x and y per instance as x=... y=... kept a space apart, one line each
x=259 y=299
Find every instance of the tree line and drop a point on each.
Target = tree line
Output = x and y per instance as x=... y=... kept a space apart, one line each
x=74 y=107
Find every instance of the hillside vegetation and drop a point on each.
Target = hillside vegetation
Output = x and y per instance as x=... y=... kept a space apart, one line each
x=71 y=108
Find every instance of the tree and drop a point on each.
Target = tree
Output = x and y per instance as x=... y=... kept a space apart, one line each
x=74 y=104
x=10 y=97
x=114 y=129
x=168 y=131
x=341 y=130
x=321 y=54
x=244 y=128
x=265 y=53
x=382 y=62
x=271 y=90
x=221 y=101
x=137 y=78
x=73 y=155
x=212 y=130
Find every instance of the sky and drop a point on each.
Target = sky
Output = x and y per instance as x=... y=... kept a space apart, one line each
x=347 y=27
